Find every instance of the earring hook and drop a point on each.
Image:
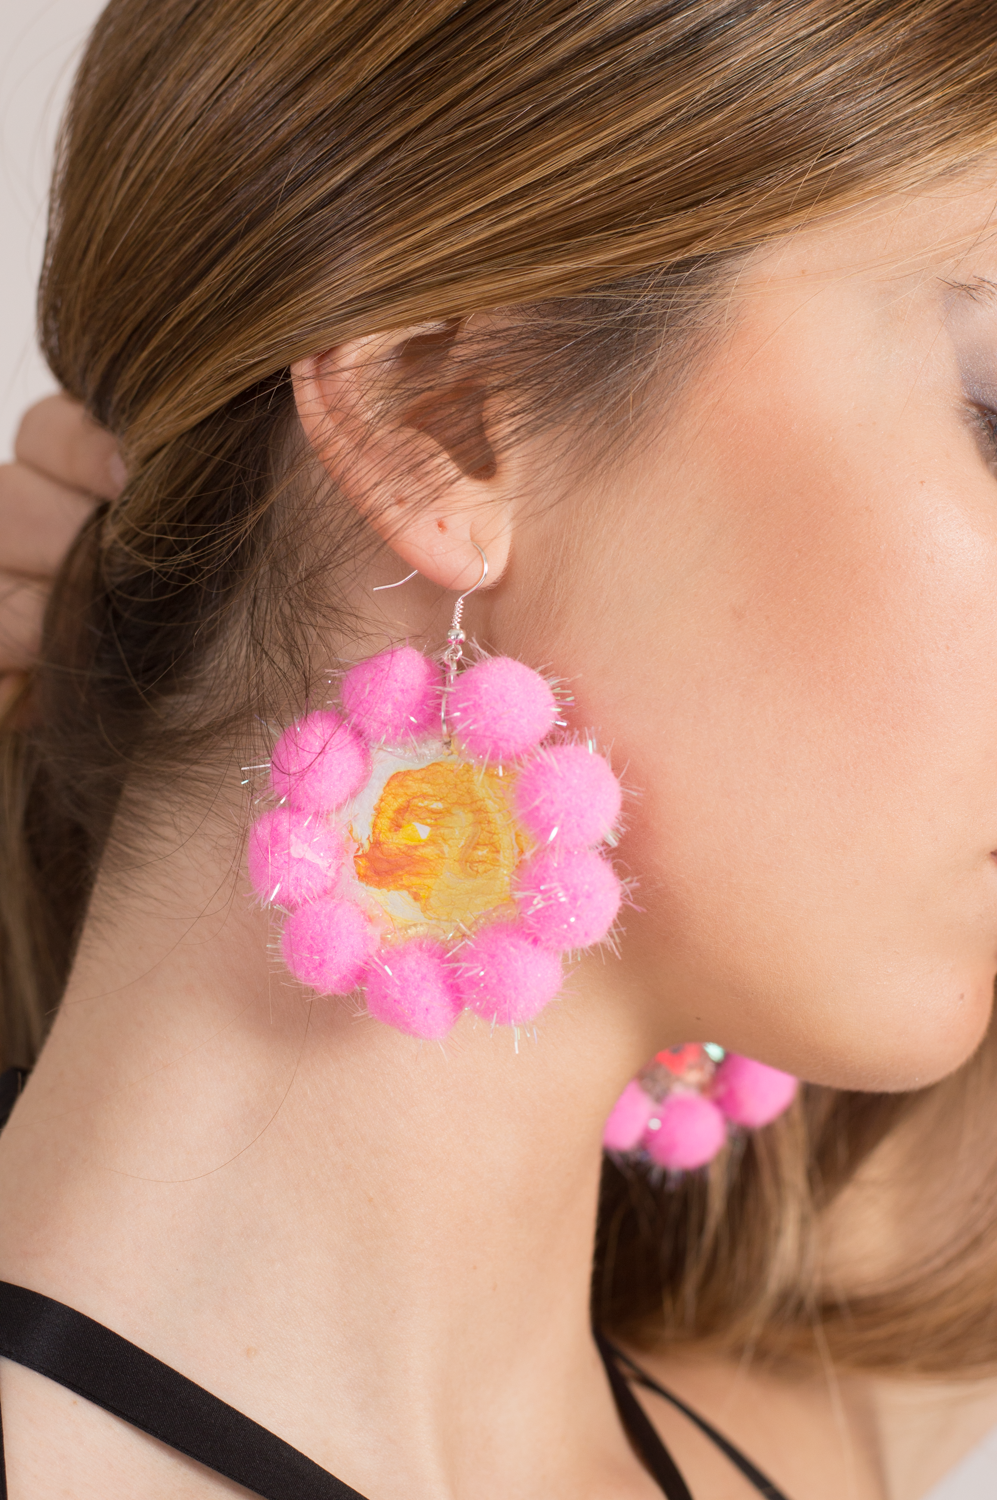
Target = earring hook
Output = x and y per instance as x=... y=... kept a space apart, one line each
x=458 y=609
x=382 y=586
x=459 y=606
x=455 y=636
x=455 y=645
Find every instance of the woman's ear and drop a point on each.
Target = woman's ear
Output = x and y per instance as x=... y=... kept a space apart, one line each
x=403 y=429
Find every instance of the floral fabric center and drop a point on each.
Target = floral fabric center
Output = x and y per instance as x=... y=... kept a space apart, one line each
x=445 y=835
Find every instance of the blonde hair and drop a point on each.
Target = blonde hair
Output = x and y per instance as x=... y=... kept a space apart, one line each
x=244 y=182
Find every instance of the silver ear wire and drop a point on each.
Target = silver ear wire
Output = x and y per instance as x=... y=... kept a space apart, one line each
x=454 y=652
x=455 y=643
x=459 y=606
x=456 y=636
x=458 y=609
x=382 y=586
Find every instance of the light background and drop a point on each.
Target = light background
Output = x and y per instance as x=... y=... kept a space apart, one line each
x=40 y=41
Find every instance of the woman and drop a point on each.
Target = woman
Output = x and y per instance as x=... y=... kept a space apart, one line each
x=680 y=317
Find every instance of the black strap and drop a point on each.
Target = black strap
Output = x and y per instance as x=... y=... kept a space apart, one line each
x=760 y=1481
x=12 y=1081
x=657 y=1459
x=101 y=1366
x=106 y=1369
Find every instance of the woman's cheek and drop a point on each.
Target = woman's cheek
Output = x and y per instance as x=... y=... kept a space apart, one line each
x=817 y=749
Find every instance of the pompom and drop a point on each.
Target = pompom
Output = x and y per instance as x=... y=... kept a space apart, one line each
x=319 y=763
x=691 y=1131
x=413 y=988
x=505 y=977
x=293 y=856
x=394 y=696
x=500 y=709
x=328 y=944
x=568 y=898
x=568 y=795
x=751 y=1093
x=628 y=1120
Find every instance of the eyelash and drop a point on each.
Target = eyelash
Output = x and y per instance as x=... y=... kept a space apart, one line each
x=987 y=421
x=985 y=426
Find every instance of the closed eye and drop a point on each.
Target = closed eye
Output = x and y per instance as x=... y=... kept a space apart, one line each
x=983 y=420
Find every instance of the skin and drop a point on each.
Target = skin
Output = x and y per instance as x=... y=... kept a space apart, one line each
x=779 y=610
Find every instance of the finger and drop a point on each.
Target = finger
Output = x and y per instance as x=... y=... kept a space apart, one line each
x=57 y=438
x=38 y=520
x=22 y=605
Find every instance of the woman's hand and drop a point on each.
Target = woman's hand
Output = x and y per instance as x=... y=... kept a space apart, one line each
x=63 y=464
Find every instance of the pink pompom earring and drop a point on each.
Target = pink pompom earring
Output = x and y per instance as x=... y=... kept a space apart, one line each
x=677 y=1112
x=438 y=840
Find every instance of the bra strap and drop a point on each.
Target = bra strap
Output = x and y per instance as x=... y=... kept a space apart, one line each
x=760 y=1481
x=657 y=1459
x=56 y=1341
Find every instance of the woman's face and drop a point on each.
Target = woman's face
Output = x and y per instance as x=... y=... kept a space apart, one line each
x=781 y=614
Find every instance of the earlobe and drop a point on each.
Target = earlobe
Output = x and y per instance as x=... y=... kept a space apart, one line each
x=403 y=432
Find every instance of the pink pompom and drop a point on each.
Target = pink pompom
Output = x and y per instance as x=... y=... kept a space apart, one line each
x=751 y=1093
x=505 y=977
x=319 y=763
x=568 y=795
x=394 y=696
x=628 y=1120
x=293 y=856
x=413 y=988
x=327 y=945
x=690 y=1133
x=500 y=708
x=568 y=898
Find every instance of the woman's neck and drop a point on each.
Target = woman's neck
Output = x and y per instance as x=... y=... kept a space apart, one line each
x=377 y=1247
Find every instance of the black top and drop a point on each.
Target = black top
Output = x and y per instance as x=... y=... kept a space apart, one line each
x=73 y=1350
